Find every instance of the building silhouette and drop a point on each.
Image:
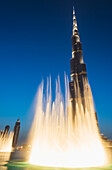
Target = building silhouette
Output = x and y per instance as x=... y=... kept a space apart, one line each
x=16 y=133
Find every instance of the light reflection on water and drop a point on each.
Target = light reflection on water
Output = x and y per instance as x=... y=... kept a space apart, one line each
x=17 y=162
x=28 y=167
x=47 y=168
x=4 y=157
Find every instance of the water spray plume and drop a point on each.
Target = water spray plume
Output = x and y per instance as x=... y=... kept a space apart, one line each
x=6 y=142
x=5 y=146
x=58 y=139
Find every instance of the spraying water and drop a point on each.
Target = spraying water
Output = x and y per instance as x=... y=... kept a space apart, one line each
x=58 y=140
x=5 y=146
x=6 y=142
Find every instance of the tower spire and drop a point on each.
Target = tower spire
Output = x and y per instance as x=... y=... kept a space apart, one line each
x=75 y=28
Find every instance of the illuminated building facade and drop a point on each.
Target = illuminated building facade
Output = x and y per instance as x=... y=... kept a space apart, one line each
x=78 y=69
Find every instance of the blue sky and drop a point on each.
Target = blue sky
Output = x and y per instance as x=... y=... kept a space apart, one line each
x=35 y=42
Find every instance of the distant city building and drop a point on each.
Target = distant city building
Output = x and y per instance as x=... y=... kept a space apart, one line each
x=16 y=133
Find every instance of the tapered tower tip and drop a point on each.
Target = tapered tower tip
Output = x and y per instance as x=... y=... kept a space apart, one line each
x=75 y=28
x=73 y=10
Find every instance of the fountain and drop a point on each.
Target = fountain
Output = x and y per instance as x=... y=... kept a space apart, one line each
x=5 y=146
x=66 y=134
x=58 y=140
x=6 y=142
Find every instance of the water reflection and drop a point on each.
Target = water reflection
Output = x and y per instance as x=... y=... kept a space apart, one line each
x=8 y=161
x=19 y=161
x=3 y=168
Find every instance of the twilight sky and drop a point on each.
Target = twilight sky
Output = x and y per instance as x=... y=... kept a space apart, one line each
x=35 y=42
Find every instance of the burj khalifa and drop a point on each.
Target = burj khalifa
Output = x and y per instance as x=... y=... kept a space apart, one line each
x=78 y=70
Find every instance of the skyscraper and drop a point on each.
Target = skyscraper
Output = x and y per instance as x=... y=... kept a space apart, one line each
x=78 y=69
x=16 y=133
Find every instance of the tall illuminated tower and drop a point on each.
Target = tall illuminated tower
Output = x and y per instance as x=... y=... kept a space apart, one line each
x=78 y=69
